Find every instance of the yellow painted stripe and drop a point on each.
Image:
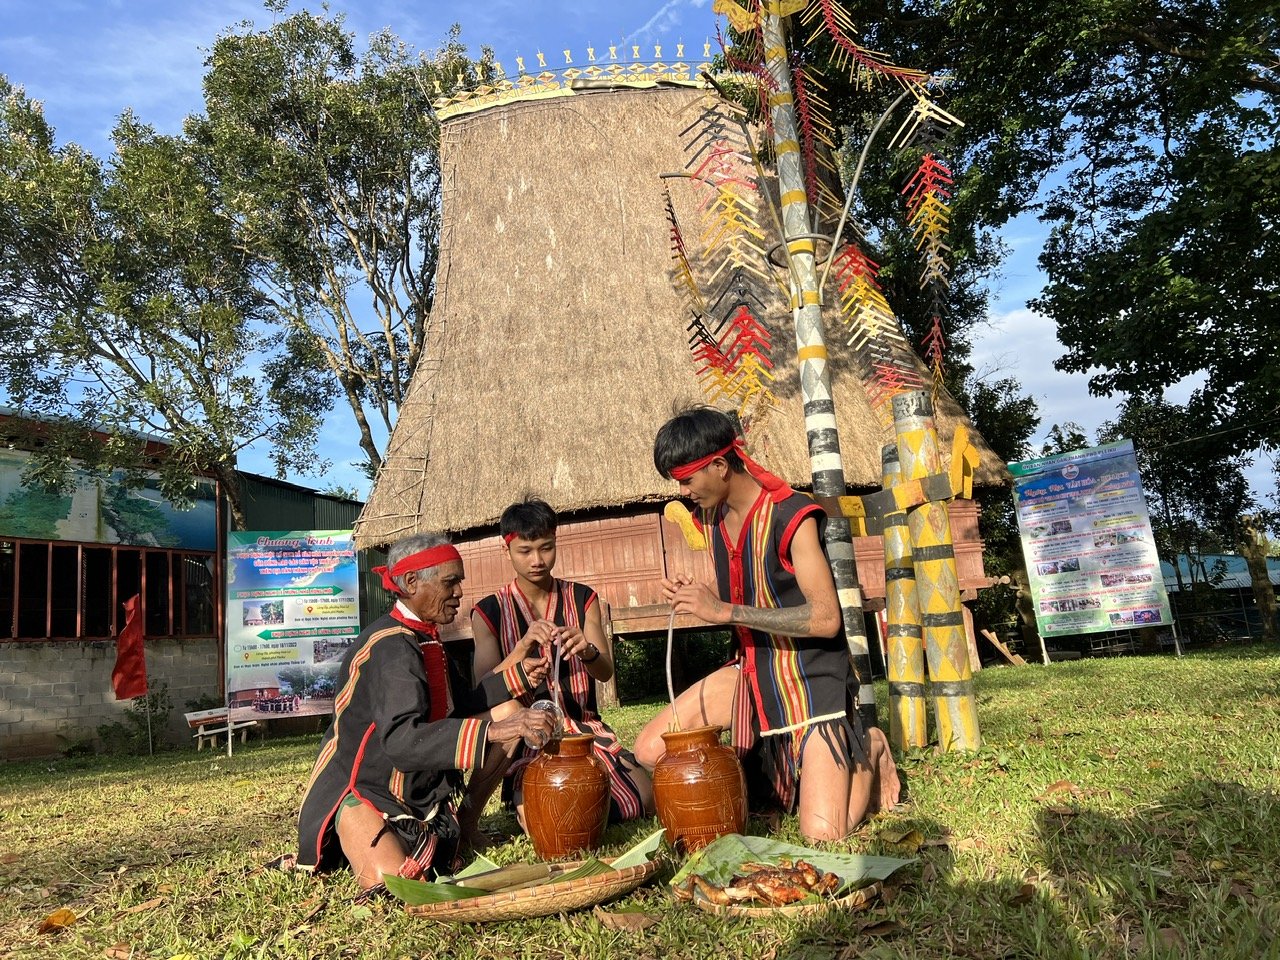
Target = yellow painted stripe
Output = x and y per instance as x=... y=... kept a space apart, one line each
x=817 y=352
x=812 y=298
x=775 y=53
x=800 y=246
x=778 y=99
x=794 y=196
x=787 y=146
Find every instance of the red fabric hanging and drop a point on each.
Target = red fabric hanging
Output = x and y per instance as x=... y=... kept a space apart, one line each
x=129 y=675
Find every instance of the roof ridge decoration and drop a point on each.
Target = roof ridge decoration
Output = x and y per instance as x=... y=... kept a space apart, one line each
x=630 y=68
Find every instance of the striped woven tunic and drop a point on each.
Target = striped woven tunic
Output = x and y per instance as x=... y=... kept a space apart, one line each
x=790 y=687
x=508 y=615
x=401 y=736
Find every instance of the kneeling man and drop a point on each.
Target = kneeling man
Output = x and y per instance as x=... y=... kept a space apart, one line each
x=406 y=726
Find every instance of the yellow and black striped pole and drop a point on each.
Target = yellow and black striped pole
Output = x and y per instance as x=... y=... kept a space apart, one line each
x=825 y=462
x=937 y=583
x=908 y=724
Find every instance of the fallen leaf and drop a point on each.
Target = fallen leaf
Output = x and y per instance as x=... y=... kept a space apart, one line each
x=1216 y=865
x=1061 y=786
x=165 y=888
x=10 y=857
x=58 y=920
x=632 y=921
x=1240 y=891
x=145 y=905
x=1024 y=895
x=119 y=951
x=908 y=840
x=1062 y=811
x=882 y=928
x=969 y=843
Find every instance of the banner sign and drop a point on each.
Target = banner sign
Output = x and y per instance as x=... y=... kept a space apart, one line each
x=1086 y=537
x=293 y=609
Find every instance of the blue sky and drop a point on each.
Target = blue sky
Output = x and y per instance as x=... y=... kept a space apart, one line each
x=89 y=60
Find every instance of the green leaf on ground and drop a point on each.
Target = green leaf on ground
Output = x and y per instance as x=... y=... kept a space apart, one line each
x=417 y=892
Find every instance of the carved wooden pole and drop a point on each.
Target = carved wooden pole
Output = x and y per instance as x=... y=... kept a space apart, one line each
x=908 y=726
x=938 y=587
x=815 y=383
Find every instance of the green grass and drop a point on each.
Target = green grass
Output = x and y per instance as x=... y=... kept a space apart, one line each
x=1162 y=839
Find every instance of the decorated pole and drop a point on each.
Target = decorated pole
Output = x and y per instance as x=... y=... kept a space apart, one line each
x=905 y=659
x=938 y=589
x=825 y=461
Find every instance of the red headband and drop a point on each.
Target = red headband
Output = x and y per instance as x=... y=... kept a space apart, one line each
x=422 y=560
x=508 y=537
x=777 y=487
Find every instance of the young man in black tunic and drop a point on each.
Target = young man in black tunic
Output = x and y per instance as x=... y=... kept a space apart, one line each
x=538 y=611
x=790 y=683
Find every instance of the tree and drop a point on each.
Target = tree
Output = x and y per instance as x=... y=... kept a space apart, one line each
x=1146 y=134
x=126 y=306
x=330 y=163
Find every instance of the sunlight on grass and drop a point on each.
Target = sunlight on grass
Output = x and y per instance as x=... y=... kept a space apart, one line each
x=1120 y=808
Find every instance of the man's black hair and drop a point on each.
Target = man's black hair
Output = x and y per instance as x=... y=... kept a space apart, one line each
x=530 y=519
x=692 y=434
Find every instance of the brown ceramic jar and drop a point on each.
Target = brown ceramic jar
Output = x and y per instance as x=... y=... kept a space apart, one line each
x=566 y=798
x=698 y=788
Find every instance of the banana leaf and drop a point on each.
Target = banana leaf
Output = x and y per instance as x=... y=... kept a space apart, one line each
x=588 y=868
x=721 y=859
x=642 y=852
x=481 y=864
x=417 y=892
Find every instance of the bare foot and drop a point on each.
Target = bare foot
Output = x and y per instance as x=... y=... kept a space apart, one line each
x=886 y=771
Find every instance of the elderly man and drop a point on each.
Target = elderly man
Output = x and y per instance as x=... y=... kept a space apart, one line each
x=406 y=726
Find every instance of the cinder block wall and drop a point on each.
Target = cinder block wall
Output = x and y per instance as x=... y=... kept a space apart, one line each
x=55 y=694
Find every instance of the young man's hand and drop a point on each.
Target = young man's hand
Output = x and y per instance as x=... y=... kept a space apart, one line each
x=536 y=639
x=573 y=642
x=688 y=596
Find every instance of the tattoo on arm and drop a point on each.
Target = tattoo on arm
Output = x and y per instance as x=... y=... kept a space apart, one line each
x=784 y=621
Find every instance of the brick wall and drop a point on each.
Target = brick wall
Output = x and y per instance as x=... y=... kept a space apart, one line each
x=56 y=694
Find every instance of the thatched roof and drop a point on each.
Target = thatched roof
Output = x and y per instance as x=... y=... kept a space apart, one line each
x=557 y=343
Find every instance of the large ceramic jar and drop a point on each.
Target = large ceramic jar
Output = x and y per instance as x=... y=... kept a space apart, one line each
x=698 y=788
x=566 y=798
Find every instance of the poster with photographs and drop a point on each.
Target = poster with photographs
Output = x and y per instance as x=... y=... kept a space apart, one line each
x=293 y=610
x=1086 y=537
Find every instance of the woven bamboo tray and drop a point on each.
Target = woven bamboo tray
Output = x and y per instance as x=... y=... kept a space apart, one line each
x=539 y=901
x=859 y=899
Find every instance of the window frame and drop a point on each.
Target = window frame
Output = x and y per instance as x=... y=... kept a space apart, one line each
x=177 y=613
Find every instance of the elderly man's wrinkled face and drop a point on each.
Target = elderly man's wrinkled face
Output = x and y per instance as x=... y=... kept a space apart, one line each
x=435 y=599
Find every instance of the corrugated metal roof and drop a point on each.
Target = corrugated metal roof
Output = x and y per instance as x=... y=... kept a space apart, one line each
x=1226 y=571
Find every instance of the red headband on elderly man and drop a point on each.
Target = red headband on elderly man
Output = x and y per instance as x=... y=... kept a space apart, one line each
x=777 y=487
x=422 y=560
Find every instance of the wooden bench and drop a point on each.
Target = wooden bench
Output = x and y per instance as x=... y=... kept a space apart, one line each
x=212 y=724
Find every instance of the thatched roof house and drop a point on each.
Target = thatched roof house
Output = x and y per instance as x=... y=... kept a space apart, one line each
x=557 y=343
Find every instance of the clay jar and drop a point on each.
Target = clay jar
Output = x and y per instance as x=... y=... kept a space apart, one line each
x=698 y=788
x=566 y=798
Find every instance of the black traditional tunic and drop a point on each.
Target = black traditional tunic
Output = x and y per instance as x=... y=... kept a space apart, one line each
x=396 y=743
x=508 y=614
x=790 y=687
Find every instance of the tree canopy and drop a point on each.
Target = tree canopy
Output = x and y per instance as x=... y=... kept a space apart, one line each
x=329 y=160
x=1145 y=133
x=126 y=307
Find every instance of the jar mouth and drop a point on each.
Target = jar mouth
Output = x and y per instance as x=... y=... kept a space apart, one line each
x=693 y=733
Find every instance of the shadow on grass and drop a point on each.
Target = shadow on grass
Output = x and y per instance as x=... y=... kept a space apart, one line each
x=1194 y=875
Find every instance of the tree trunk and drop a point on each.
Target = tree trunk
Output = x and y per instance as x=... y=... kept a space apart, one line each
x=1254 y=550
x=229 y=480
